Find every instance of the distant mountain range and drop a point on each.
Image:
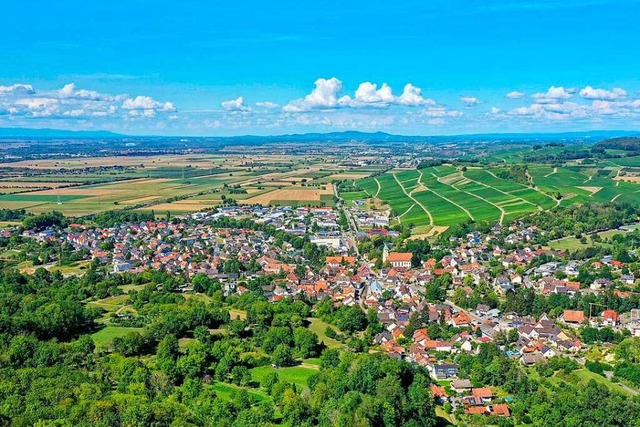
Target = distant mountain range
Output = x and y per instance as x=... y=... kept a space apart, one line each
x=347 y=136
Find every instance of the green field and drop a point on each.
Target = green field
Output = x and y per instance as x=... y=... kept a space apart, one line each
x=106 y=335
x=293 y=374
x=319 y=327
x=448 y=195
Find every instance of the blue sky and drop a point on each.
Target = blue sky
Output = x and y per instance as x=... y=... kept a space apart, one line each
x=226 y=68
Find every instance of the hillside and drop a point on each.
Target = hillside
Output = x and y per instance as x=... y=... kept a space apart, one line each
x=627 y=143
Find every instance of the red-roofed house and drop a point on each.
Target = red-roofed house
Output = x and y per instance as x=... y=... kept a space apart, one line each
x=399 y=259
x=483 y=393
x=573 y=316
x=610 y=317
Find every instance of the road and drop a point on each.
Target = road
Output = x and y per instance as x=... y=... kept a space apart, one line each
x=353 y=228
x=473 y=316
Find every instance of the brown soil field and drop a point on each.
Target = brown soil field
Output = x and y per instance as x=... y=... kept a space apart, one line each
x=635 y=179
x=293 y=193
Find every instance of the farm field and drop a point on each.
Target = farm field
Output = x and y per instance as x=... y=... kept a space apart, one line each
x=175 y=183
x=443 y=196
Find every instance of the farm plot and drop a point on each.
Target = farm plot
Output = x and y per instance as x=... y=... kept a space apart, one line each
x=443 y=211
x=474 y=206
x=293 y=194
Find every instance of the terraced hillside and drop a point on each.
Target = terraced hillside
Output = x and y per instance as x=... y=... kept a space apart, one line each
x=446 y=195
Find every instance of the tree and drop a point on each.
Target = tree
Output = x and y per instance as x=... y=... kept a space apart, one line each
x=282 y=356
x=306 y=342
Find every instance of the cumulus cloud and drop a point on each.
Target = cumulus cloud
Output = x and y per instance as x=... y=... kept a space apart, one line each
x=69 y=91
x=469 y=101
x=553 y=94
x=495 y=110
x=514 y=95
x=35 y=107
x=608 y=95
x=412 y=96
x=147 y=103
x=22 y=100
x=368 y=93
x=326 y=95
x=235 y=105
x=17 y=89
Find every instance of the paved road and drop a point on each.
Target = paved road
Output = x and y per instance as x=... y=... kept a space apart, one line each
x=474 y=317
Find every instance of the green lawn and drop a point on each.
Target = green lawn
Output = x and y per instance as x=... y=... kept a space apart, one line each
x=111 y=303
x=225 y=391
x=105 y=336
x=293 y=374
x=318 y=327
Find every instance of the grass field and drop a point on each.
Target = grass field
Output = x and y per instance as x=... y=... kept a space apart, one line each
x=291 y=374
x=319 y=327
x=106 y=335
x=225 y=391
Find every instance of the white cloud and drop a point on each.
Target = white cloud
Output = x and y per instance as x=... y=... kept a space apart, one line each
x=326 y=95
x=267 y=104
x=553 y=94
x=235 y=105
x=147 y=103
x=495 y=110
x=469 y=101
x=514 y=95
x=412 y=96
x=368 y=93
x=17 y=89
x=22 y=100
x=608 y=95
x=36 y=107
x=69 y=91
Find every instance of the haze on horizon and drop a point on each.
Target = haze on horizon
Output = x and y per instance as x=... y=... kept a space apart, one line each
x=430 y=68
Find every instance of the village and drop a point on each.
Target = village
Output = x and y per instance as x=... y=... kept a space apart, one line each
x=394 y=287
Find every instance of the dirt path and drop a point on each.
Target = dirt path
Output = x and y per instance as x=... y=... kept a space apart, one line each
x=555 y=170
x=375 y=196
x=412 y=198
x=535 y=188
x=500 y=191
x=405 y=212
x=449 y=200
x=502 y=212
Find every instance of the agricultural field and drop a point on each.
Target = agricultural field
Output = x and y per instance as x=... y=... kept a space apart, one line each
x=176 y=183
x=445 y=195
